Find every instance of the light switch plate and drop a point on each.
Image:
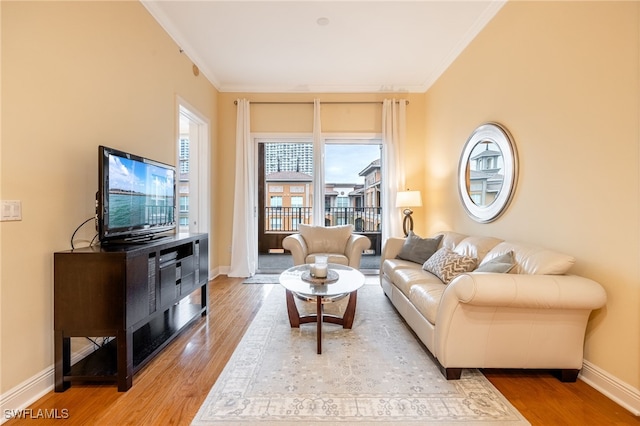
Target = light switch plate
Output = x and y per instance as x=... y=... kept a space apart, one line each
x=11 y=210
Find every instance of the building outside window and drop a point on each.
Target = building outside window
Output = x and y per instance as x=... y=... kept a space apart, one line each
x=184 y=155
x=183 y=188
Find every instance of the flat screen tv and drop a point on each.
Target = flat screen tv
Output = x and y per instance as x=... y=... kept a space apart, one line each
x=136 y=197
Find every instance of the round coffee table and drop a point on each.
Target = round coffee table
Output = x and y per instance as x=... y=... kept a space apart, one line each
x=296 y=280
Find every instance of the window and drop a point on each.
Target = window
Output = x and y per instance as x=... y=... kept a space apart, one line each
x=276 y=201
x=296 y=201
x=184 y=205
x=342 y=202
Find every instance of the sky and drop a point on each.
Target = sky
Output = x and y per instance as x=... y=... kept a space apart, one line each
x=133 y=175
x=342 y=163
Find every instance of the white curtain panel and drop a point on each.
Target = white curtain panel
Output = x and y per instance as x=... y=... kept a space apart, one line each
x=244 y=248
x=393 y=135
x=318 y=167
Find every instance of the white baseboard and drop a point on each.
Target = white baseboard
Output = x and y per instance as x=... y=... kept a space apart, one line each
x=612 y=387
x=26 y=393
x=34 y=388
x=213 y=273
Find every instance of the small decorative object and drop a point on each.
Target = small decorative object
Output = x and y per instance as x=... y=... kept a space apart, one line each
x=408 y=199
x=319 y=268
x=332 y=277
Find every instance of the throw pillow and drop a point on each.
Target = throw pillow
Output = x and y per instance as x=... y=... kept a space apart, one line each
x=447 y=264
x=500 y=264
x=418 y=249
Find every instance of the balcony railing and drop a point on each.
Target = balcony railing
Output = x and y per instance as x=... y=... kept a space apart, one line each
x=287 y=219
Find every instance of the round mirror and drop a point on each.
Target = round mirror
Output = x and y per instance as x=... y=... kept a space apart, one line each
x=487 y=172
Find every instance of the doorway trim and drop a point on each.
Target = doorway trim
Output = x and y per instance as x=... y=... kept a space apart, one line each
x=199 y=150
x=361 y=138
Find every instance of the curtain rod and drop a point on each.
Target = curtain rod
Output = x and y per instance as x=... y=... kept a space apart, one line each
x=310 y=102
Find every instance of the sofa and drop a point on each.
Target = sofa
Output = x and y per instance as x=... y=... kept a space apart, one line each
x=338 y=243
x=481 y=302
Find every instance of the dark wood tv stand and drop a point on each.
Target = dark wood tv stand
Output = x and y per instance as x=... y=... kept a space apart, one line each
x=137 y=296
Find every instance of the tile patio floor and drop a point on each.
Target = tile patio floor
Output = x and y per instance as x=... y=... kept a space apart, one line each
x=276 y=263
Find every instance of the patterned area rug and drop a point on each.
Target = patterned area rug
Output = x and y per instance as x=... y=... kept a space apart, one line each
x=377 y=373
x=262 y=279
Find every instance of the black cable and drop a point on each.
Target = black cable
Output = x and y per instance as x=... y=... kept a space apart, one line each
x=96 y=344
x=78 y=228
x=105 y=341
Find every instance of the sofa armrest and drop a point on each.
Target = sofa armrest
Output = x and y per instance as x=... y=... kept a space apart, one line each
x=392 y=247
x=297 y=246
x=356 y=244
x=527 y=291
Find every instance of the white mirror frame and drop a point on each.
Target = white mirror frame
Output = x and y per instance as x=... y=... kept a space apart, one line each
x=500 y=136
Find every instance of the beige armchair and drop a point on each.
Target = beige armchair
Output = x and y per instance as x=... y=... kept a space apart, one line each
x=338 y=243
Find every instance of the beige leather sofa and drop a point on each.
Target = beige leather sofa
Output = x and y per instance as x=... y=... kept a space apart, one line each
x=533 y=317
x=338 y=243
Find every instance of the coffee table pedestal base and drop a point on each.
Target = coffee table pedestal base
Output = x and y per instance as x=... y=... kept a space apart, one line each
x=346 y=321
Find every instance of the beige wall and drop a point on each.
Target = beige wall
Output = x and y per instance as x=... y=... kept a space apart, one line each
x=563 y=77
x=298 y=118
x=74 y=75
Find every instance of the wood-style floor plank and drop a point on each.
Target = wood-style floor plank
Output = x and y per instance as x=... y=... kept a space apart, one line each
x=171 y=388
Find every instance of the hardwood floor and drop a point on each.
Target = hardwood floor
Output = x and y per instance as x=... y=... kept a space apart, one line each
x=171 y=388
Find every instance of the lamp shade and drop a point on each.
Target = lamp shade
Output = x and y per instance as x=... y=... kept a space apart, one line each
x=408 y=199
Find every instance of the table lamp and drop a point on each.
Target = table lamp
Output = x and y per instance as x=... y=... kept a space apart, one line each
x=408 y=199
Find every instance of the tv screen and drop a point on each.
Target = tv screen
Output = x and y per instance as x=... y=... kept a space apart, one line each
x=136 y=196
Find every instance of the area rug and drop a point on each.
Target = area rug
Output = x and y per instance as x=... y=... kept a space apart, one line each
x=262 y=279
x=376 y=373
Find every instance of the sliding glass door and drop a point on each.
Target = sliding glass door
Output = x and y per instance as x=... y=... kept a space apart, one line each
x=351 y=190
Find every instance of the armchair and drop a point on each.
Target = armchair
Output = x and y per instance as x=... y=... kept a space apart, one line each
x=338 y=243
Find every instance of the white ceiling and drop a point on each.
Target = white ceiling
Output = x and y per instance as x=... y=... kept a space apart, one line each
x=281 y=46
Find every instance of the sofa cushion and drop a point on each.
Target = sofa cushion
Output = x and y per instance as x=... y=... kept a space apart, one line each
x=450 y=239
x=447 y=264
x=533 y=260
x=390 y=266
x=406 y=278
x=501 y=264
x=426 y=298
x=418 y=249
x=326 y=239
x=476 y=247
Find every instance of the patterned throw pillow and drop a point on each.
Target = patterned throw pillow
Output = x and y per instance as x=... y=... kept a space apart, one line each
x=446 y=264
x=418 y=249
